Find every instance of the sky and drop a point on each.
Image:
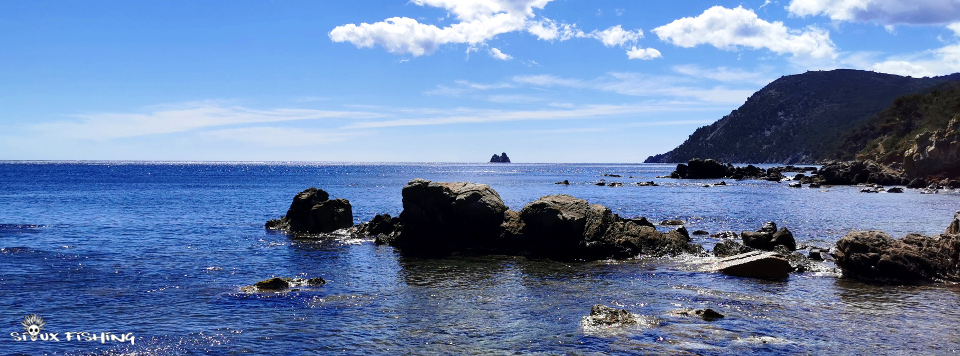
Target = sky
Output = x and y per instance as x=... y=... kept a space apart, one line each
x=423 y=80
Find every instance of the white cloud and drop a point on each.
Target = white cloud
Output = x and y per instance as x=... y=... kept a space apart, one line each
x=728 y=29
x=635 y=84
x=887 y=12
x=495 y=53
x=481 y=21
x=955 y=27
x=104 y=126
x=617 y=36
x=278 y=136
x=643 y=53
x=902 y=68
x=940 y=61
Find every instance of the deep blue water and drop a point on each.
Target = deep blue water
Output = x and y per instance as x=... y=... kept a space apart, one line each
x=161 y=250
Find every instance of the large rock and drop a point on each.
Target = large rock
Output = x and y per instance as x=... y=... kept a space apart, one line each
x=561 y=226
x=382 y=227
x=874 y=256
x=768 y=238
x=313 y=212
x=858 y=172
x=701 y=169
x=730 y=247
x=757 y=264
x=444 y=217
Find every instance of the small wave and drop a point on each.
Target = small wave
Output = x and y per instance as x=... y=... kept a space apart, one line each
x=12 y=250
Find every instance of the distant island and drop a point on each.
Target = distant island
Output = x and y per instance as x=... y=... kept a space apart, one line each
x=501 y=158
x=841 y=114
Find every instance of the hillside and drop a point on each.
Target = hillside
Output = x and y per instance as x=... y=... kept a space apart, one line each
x=886 y=136
x=800 y=118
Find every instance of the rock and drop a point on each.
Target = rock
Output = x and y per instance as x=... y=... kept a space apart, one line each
x=612 y=175
x=814 y=185
x=701 y=232
x=756 y=264
x=705 y=314
x=601 y=183
x=602 y=315
x=722 y=183
x=277 y=284
x=954 y=227
x=501 y=158
x=936 y=152
x=642 y=221
x=701 y=169
x=564 y=227
x=671 y=222
x=917 y=183
x=727 y=235
x=730 y=247
x=857 y=172
x=313 y=212
x=565 y=182
x=615 y=184
x=383 y=227
x=795 y=185
x=648 y=184
x=874 y=256
x=767 y=238
x=895 y=190
x=444 y=217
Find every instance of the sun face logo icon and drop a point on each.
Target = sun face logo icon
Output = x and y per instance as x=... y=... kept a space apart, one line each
x=33 y=324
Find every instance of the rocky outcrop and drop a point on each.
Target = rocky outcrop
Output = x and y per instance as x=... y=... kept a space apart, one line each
x=935 y=153
x=858 y=172
x=602 y=315
x=444 y=217
x=501 y=158
x=312 y=211
x=564 y=227
x=874 y=256
x=701 y=169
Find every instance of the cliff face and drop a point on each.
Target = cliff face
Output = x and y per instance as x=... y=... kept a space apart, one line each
x=917 y=130
x=797 y=119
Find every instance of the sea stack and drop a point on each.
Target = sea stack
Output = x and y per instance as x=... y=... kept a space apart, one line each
x=501 y=158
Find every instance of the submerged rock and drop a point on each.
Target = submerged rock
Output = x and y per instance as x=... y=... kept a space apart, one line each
x=602 y=315
x=313 y=212
x=705 y=314
x=671 y=222
x=277 y=284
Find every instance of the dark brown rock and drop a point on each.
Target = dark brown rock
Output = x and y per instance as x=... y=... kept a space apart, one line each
x=874 y=256
x=313 y=212
x=756 y=264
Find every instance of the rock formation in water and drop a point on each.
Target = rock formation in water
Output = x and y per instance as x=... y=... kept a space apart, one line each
x=800 y=118
x=443 y=218
x=501 y=158
x=874 y=256
x=312 y=211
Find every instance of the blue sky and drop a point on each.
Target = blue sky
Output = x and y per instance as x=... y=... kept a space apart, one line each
x=423 y=80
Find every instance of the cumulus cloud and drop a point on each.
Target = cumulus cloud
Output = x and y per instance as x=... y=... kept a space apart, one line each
x=887 y=12
x=495 y=53
x=480 y=21
x=955 y=27
x=729 y=29
x=643 y=53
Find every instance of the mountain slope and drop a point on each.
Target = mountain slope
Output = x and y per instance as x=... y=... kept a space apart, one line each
x=799 y=118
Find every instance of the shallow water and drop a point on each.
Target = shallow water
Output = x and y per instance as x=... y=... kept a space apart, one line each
x=161 y=250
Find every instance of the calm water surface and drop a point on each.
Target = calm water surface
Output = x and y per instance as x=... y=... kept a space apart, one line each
x=161 y=250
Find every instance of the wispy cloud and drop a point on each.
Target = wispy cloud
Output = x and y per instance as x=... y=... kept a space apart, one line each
x=104 y=126
x=642 y=85
x=279 y=136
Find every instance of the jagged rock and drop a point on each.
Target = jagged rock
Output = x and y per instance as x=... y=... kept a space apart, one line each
x=313 y=212
x=602 y=315
x=857 y=172
x=701 y=169
x=501 y=158
x=874 y=256
x=768 y=237
x=726 y=235
x=757 y=264
x=443 y=217
x=671 y=222
x=705 y=314
x=730 y=247
x=954 y=227
x=936 y=152
x=383 y=227
x=642 y=221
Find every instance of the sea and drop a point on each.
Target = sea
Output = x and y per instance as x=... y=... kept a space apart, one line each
x=151 y=258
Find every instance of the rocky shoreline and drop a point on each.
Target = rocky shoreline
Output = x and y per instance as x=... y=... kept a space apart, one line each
x=441 y=219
